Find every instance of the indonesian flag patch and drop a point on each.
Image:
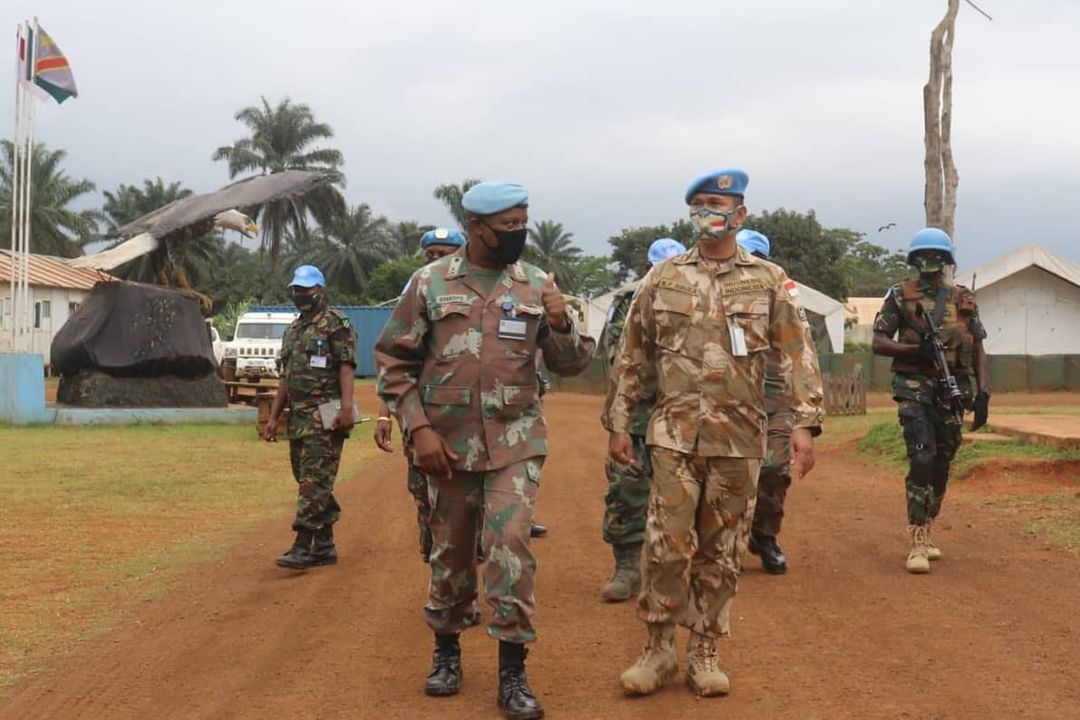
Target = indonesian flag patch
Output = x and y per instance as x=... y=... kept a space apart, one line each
x=792 y=288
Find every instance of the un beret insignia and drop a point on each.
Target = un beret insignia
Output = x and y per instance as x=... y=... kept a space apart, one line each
x=724 y=182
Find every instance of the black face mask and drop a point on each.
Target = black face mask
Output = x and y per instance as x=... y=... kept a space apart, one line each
x=511 y=243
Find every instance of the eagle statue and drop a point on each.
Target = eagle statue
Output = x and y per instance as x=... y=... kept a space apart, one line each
x=165 y=231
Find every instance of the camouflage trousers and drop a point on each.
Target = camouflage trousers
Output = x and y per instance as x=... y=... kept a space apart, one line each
x=774 y=478
x=700 y=510
x=418 y=488
x=496 y=506
x=315 y=461
x=627 y=496
x=932 y=443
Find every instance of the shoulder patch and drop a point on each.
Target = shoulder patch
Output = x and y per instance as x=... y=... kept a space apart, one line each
x=791 y=287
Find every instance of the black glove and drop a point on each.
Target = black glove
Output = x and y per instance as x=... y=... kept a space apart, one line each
x=982 y=409
x=927 y=354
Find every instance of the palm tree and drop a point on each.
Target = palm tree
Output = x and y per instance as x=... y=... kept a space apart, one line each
x=130 y=202
x=405 y=237
x=551 y=249
x=56 y=228
x=351 y=247
x=451 y=194
x=281 y=139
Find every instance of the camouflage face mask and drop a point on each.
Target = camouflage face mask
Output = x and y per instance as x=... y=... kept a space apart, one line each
x=712 y=223
x=306 y=302
x=930 y=263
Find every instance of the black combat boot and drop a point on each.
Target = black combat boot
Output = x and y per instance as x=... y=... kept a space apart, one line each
x=515 y=698
x=324 y=552
x=538 y=531
x=772 y=557
x=298 y=557
x=445 y=676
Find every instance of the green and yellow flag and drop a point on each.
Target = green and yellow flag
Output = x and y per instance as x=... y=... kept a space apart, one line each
x=52 y=72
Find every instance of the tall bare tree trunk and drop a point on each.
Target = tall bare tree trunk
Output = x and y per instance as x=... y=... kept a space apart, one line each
x=942 y=178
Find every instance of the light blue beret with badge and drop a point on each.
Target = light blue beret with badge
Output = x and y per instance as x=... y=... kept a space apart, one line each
x=728 y=181
x=754 y=242
x=663 y=249
x=442 y=236
x=494 y=196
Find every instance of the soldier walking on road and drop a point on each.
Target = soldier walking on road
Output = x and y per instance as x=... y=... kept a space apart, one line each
x=775 y=476
x=457 y=365
x=435 y=244
x=318 y=362
x=930 y=417
x=699 y=331
x=627 y=495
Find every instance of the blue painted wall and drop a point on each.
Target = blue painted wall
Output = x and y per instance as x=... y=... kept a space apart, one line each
x=22 y=389
x=368 y=321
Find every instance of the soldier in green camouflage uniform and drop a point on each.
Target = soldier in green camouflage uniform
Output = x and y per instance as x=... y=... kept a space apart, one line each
x=457 y=365
x=628 y=485
x=699 y=331
x=318 y=361
x=931 y=430
x=775 y=476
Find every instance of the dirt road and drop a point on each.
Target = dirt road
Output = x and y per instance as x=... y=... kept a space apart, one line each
x=991 y=633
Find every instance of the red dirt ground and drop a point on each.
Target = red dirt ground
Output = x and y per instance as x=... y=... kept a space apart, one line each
x=990 y=633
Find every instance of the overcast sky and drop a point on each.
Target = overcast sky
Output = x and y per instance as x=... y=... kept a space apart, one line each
x=605 y=110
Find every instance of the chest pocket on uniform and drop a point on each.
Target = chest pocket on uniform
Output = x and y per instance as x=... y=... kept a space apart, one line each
x=673 y=307
x=752 y=315
x=448 y=311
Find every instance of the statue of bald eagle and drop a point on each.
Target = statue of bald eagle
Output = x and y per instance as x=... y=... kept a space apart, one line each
x=165 y=231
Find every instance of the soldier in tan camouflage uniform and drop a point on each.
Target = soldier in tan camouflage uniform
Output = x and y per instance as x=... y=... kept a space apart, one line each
x=699 y=331
x=318 y=361
x=457 y=365
x=627 y=495
x=775 y=476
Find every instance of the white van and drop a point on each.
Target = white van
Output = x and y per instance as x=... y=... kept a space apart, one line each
x=256 y=344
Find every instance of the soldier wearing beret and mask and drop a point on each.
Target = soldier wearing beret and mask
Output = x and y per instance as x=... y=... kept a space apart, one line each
x=457 y=365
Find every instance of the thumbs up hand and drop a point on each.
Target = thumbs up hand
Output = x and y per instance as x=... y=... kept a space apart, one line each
x=554 y=305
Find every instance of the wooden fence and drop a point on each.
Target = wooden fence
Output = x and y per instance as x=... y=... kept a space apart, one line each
x=845 y=393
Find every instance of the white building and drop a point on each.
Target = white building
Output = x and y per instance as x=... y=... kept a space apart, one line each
x=1029 y=302
x=56 y=290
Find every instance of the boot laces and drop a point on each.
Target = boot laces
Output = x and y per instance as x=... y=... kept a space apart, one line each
x=705 y=655
x=920 y=537
x=515 y=681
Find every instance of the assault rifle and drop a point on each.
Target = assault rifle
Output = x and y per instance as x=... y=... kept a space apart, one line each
x=948 y=390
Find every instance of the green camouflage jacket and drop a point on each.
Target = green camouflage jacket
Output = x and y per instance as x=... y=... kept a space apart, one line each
x=312 y=352
x=700 y=331
x=609 y=343
x=465 y=365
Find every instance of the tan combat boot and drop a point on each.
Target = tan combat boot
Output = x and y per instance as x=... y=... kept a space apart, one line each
x=917 y=561
x=704 y=674
x=933 y=552
x=657 y=664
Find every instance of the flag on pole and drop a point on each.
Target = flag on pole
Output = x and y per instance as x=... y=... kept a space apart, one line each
x=52 y=72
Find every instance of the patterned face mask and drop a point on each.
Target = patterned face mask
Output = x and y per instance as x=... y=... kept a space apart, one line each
x=712 y=223
x=928 y=263
x=306 y=302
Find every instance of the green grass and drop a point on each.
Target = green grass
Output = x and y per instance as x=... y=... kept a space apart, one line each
x=96 y=520
x=1055 y=518
x=885 y=442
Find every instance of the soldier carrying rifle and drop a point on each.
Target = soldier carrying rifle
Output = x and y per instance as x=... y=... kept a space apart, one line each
x=937 y=352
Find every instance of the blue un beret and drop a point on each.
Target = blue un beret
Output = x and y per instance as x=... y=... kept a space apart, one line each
x=754 y=242
x=308 y=276
x=493 y=196
x=728 y=181
x=663 y=249
x=442 y=236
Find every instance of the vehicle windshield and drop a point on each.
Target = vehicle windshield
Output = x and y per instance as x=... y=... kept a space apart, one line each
x=261 y=331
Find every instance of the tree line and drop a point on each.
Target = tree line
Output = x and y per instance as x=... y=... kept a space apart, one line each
x=367 y=257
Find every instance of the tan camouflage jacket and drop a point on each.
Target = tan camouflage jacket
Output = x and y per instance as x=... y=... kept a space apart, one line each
x=465 y=365
x=701 y=331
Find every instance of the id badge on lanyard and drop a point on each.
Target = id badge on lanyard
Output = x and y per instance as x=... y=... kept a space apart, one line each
x=318 y=360
x=512 y=327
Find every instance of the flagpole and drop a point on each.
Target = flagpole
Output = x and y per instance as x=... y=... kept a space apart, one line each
x=16 y=235
x=28 y=172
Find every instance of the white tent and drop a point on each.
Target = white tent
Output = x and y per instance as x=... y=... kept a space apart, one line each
x=816 y=303
x=1029 y=302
